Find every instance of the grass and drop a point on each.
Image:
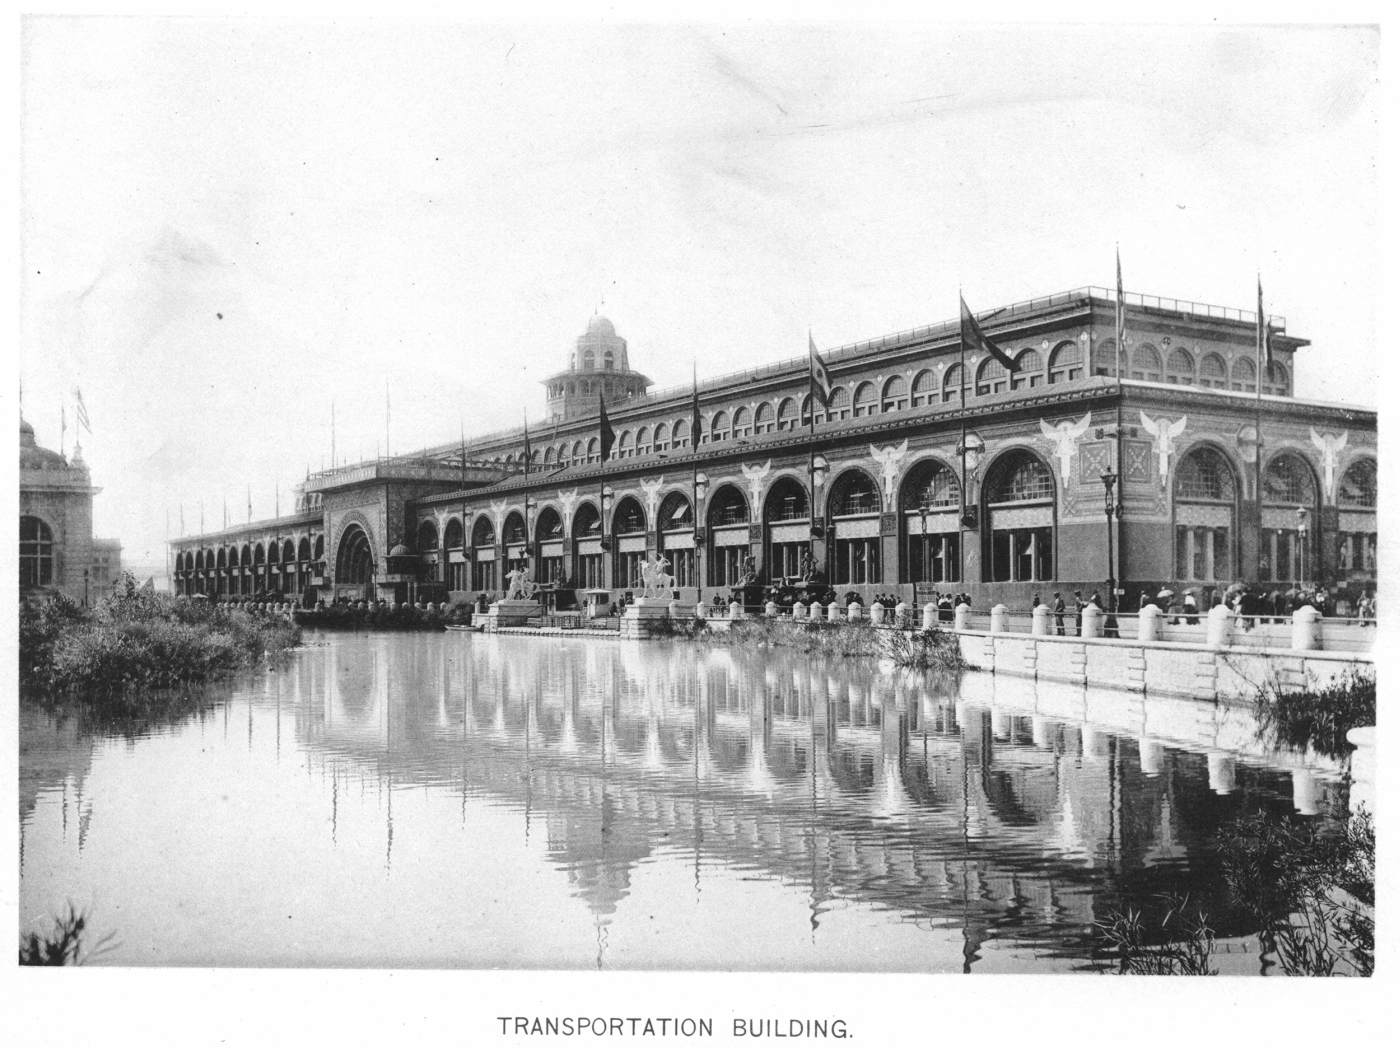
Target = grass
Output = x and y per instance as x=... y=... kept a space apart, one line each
x=1309 y=889
x=139 y=640
x=63 y=944
x=1318 y=717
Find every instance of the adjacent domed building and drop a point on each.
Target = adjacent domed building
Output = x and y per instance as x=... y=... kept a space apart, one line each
x=57 y=552
x=597 y=368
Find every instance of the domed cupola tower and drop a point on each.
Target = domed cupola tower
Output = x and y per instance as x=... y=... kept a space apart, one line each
x=597 y=365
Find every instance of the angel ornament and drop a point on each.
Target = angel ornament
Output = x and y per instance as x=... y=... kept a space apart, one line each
x=1065 y=437
x=1164 y=434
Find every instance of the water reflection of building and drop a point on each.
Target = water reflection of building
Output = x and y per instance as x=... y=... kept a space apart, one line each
x=1002 y=814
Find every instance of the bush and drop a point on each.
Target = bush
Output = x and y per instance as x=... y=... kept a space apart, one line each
x=141 y=639
x=1319 y=718
x=924 y=650
x=63 y=944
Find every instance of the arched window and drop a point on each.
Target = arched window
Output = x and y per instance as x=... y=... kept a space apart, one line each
x=644 y=440
x=728 y=506
x=515 y=532
x=991 y=377
x=864 y=400
x=719 y=426
x=676 y=514
x=320 y=551
x=1289 y=482
x=452 y=534
x=787 y=414
x=304 y=550
x=1022 y=478
x=1181 y=367
x=680 y=433
x=629 y=518
x=807 y=409
x=624 y=445
x=594 y=453
x=1066 y=363
x=588 y=549
x=1205 y=517
x=579 y=454
x=629 y=527
x=895 y=395
x=1104 y=357
x=929 y=502
x=675 y=523
x=743 y=423
x=839 y=406
x=1020 y=493
x=854 y=492
x=427 y=537
x=587 y=361
x=1358 y=487
x=1276 y=380
x=1242 y=375
x=549 y=537
x=763 y=419
x=608 y=359
x=1029 y=371
x=1147 y=364
x=549 y=456
x=1288 y=485
x=855 y=552
x=1212 y=372
x=35 y=553
x=925 y=389
x=483 y=532
x=289 y=552
x=786 y=528
x=662 y=440
x=954 y=384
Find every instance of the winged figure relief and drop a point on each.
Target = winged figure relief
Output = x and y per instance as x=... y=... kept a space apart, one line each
x=1065 y=438
x=1331 y=445
x=1164 y=433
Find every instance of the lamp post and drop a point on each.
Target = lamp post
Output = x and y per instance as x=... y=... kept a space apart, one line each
x=701 y=481
x=1109 y=479
x=1302 y=545
x=926 y=504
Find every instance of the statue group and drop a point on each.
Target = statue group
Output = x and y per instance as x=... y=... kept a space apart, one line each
x=519 y=586
x=657 y=580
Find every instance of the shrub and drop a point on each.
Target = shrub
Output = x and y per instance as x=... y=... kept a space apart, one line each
x=63 y=944
x=141 y=639
x=1319 y=717
x=924 y=650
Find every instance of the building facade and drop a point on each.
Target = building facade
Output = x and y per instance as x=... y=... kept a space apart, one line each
x=1168 y=461
x=57 y=551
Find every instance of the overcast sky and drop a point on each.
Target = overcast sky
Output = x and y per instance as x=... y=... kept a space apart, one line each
x=229 y=225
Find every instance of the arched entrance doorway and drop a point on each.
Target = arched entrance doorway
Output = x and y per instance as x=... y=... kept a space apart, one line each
x=354 y=561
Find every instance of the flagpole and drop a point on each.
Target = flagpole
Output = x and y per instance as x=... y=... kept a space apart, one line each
x=962 y=447
x=811 y=451
x=1260 y=342
x=695 y=483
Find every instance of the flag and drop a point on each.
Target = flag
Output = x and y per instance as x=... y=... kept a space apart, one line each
x=973 y=338
x=81 y=412
x=821 y=378
x=606 y=436
x=695 y=423
x=1264 y=348
x=527 y=445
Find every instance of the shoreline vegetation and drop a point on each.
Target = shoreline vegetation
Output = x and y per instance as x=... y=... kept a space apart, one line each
x=138 y=640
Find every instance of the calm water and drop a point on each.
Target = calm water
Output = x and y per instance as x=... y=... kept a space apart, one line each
x=458 y=800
